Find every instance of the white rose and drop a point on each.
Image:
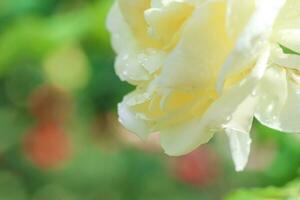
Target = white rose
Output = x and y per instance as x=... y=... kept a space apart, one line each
x=207 y=66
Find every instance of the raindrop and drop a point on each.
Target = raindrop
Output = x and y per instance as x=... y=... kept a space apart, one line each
x=254 y=93
x=270 y=108
x=229 y=118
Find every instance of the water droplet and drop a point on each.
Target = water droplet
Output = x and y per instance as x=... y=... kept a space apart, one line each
x=270 y=108
x=229 y=118
x=274 y=118
x=254 y=93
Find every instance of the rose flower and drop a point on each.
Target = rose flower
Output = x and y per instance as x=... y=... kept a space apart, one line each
x=207 y=66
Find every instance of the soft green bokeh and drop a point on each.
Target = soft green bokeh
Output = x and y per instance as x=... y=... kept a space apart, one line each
x=289 y=192
x=63 y=45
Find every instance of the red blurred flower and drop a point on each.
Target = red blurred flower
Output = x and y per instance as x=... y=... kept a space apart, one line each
x=47 y=145
x=201 y=167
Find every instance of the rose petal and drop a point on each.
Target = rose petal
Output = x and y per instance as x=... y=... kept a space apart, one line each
x=164 y=21
x=238 y=15
x=289 y=17
x=289 y=37
x=252 y=40
x=185 y=137
x=289 y=118
x=238 y=129
x=290 y=61
x=133 y=64
x=122 y=38
x=130 y=119
x=133 y=13
x=279 y=102
x=272 y=93
x=203 y=47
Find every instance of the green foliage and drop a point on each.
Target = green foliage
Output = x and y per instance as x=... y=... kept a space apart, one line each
x=289 y=192
x=287 y=50
x=11 y=187
x=283 y=168
x=34 y=36
x=34 y=33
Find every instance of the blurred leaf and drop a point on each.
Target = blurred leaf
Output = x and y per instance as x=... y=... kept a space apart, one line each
x=11 y=187
x=11 y=128
x=20 y=82
x=54 y=192
x=289 y=192
x=287 y=50
x=35 y=36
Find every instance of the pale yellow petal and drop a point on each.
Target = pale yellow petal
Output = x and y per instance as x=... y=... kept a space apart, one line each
x=238 y=15
x=288 y=38
x=279 y=101
x=290 y=61
x=133 y=12
x=238 y=130
x=133 y=64
x=132 y=120
x=185 y=137
x=139 y=67
x=252 y=40
x=121 y=35
x=165 y=21
x=289 y=118
x=272 y=93
x=201 y=51
x=289 y=17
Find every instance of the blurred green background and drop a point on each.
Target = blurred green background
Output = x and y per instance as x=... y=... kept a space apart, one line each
x=59 y=135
